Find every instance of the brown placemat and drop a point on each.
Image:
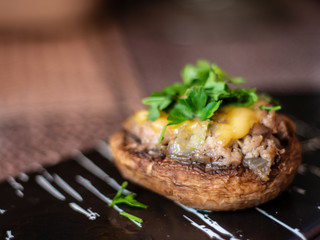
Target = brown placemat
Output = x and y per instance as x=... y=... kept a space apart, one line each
x=62 y=93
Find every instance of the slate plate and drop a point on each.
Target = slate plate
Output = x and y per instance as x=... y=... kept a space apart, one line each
x=69 y=201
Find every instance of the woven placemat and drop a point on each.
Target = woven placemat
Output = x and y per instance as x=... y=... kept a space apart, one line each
x=60 y=94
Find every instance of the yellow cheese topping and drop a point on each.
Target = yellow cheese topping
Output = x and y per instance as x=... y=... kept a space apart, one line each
x=229 y=123
x=140 y=117
x=233 y=123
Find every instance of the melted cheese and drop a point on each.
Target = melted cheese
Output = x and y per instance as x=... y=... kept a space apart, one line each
x=233 y=123
x=140 y=117
x=229 y=123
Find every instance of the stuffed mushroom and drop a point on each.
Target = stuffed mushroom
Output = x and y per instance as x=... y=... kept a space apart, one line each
x=209 y=146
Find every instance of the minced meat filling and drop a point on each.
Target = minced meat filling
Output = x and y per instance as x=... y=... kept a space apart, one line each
x=196 y=142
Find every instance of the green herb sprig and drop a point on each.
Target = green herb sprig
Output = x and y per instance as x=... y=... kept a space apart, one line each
x=270 y=108
x=275 y=104
x=120 y=198
x=205 y=88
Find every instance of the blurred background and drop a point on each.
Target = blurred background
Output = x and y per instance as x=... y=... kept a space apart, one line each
x=71 y=71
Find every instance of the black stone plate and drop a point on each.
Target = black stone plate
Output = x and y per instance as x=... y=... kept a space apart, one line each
x=35 y=205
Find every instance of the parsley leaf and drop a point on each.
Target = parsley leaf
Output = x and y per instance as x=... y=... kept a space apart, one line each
x=197 y=100
x=199 y=73
x=131 y=217
x=120 y=198
x=126 y=199
x=180 y=112
x=270 y=108
x=160 y=101
x=217 y=90
x=175 y=89
x=188 y=74
x=223 y=76
x=156 y=103
x=209 y=110
x=129 y=200
x=163 y=131
x=242 y=97
x=196 y=105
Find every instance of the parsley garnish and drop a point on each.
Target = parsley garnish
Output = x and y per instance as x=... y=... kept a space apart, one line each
x=203 y=90
x=129 y=200
x=275 y=103
x=270 y=108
